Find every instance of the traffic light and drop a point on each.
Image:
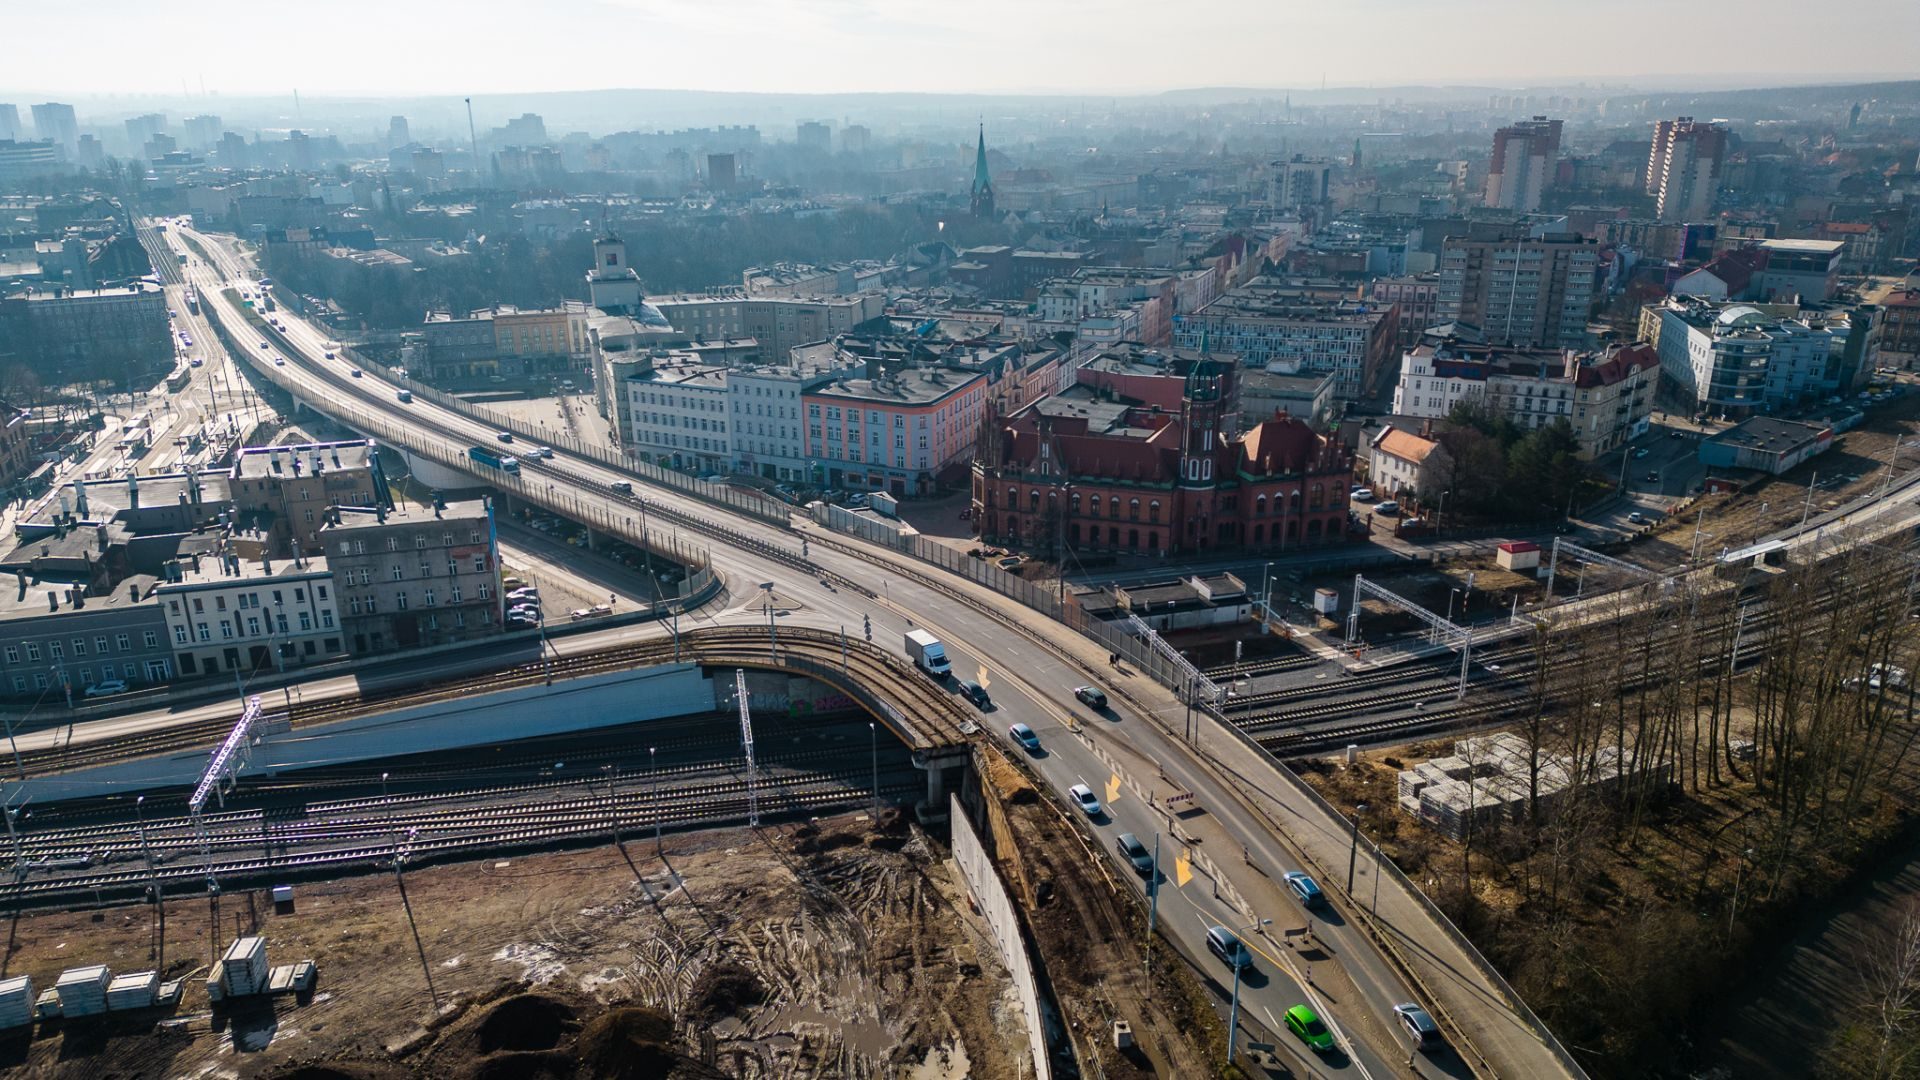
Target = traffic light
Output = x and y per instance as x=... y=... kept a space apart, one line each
x=867 y=624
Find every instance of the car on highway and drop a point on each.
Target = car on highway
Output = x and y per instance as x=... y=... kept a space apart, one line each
x=279 y=361
x=1305 y=889
x=264 y=345
x=1225 y=944
x=1136 y=853
x=1388 y=508
x=404 y=396
x=1418 y=1024
x=1306 y=1025
x=1653 y=478
x=597 y=611
x=195 y=362
x=1084 y=798
x=356 y=373
x=105 y=687
x=1091 y=696
x=1637 y=518
x=541 y=452
x=504 y=436
x=1641 y=451
x=975 y=693
x=621 y=487
x=1024 y=735
x=329 y=356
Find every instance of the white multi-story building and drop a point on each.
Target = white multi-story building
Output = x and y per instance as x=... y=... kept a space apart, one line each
x=225 y=613
x=765 y=413
x=1605 y=397
x=680 y=414
x=1735 y=359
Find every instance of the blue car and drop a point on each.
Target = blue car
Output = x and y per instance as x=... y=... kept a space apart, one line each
x=1024 y=735
x=1306 y=890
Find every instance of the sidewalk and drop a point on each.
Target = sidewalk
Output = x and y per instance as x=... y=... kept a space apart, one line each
x=1446 y=969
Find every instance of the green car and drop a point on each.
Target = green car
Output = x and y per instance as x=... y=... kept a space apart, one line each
x=1304 y=1022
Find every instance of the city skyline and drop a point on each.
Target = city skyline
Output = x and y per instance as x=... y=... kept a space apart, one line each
x=847 y=46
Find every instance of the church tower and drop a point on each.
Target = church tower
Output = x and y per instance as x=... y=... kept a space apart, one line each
x=1203 y=406
x=981 y=200
x=612 y=285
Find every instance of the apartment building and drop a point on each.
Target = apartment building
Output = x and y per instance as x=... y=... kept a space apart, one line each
x=225 y=613
x=1606 y=396
x=1683 y=169
x=679 y=413
x=1521 y=289
x=1267 y=322
x=1525 y=158
x=282 y=493
x=896 y=431
x=1734 y=360
x=414 y=576
x=766 y=406
x=1417 y=296
x=72 y=334
x=55 y=637
x=778 y=323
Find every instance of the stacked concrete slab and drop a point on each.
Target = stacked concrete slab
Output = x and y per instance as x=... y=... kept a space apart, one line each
x=83 y=991
x=16 y=1002
x=1485 y=782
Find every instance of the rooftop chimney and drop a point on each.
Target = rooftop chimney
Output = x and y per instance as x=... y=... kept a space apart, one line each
x=133 y=491
x=133 y=593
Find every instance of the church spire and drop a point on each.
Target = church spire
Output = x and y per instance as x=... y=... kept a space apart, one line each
x=981 y=200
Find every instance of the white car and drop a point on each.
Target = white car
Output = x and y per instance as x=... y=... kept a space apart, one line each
x=1084 y=798
x=105 y=687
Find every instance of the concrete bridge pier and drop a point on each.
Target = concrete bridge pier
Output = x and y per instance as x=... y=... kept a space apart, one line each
x=946 y=768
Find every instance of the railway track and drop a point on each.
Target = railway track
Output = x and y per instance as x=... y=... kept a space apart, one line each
x=523 y=830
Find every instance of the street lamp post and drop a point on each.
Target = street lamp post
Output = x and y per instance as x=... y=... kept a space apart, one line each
x=1353 y=843
x=613 y=804
x=773 y=638
x=1239 y=963
x=653 y=773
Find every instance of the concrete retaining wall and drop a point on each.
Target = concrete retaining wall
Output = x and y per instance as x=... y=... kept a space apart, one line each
x=976 y=867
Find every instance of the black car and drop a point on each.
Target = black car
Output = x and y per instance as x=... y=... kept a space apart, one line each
x=1091 y=696
x=1136 y=853
x=976 y=693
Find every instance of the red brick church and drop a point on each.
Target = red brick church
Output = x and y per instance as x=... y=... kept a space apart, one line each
x=1095 y=472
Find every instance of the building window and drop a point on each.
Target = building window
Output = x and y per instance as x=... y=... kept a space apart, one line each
x=33 y=651
x=393 y=543
x=428 y=595
x=253 y=626
x=13 y=654
x=400 y=600
x=226 y=629
x=398 y=573
x=326 y=619
x=55 y=650
x=420 y=541
x=203 y=631
x=479 y=564
x=100 y=644
x=453 y=593
x=484 y=591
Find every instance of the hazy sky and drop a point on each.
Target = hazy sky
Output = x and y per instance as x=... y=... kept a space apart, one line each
x=328 y=47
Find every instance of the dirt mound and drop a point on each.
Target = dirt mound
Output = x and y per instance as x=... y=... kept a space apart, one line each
x=525 y=1065
x=525 y=1022
x=630 y=1044
x=724 y=990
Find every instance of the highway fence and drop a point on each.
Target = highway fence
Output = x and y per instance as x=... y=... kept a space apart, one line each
x=746 y=501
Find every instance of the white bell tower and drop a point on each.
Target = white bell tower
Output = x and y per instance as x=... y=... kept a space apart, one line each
x=612 y=285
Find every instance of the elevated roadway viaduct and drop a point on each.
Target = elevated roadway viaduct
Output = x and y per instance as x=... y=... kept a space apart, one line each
x=1257 y=821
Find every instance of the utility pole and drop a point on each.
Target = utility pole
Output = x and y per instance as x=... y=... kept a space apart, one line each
x=873 y=749
x=1353 y=843
x=1153 y=903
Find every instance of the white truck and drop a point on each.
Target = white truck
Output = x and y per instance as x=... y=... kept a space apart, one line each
x=928 y=654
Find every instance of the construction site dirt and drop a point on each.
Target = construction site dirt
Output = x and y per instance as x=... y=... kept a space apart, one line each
x=825 y=949
x=842 y=948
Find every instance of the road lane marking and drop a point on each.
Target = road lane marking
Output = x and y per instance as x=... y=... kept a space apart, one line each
x=1182 y=870
x=1113 y=789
